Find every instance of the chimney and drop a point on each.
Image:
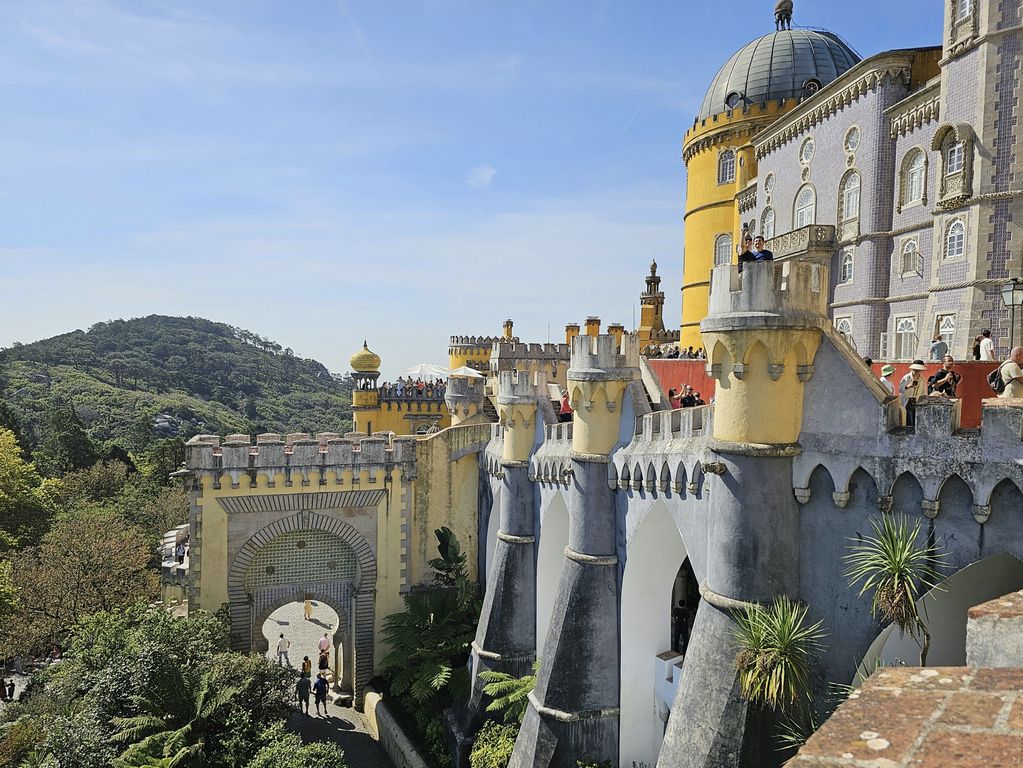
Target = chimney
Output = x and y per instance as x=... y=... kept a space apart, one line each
x=592 y=326
x=571 y=331
x=507 y=330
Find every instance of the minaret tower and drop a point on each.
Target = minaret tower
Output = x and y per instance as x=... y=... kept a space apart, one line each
x=365 y=397
x=651 y=308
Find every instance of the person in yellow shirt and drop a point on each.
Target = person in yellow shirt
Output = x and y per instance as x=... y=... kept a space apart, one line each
x=307 y=609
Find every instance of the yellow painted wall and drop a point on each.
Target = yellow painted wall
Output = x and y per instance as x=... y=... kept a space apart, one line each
x=710 y=207
x=464 y=355
x=391 y=416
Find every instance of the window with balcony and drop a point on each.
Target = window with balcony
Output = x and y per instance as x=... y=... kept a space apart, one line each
x=910 y=262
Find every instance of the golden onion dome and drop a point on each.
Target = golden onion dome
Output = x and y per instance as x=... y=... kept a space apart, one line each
x=365 y=361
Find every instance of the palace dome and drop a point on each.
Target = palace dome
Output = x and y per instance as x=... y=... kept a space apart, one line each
x=787 y=64
x=365 y=361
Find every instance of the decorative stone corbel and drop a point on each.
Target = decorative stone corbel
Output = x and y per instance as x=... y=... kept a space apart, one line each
x=611 y=406
x=981 y=513
x=802 y=495
x=714 y=468
x=931 y=508
x=739 y=371
x=804 y=372
x=676 y=487
x=637 y=484
x=691 y=487
x=841 y=499
x=884 y=504
x=775 y=371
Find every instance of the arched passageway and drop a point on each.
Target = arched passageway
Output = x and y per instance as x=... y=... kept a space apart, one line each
x=305 y=636
x=944 y=610
x=549 y=564
x=653 y=625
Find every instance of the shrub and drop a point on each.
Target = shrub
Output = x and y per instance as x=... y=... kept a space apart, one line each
x=493 y=745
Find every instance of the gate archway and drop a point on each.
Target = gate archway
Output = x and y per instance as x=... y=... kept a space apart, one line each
x=308 y=554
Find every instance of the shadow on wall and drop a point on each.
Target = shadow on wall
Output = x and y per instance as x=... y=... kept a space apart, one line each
x=944 y=609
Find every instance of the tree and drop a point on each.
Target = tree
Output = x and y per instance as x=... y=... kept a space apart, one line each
x=179 y=712
x=24 y=504
x=164 y=457
x=898 y=570
x=89 y=561
x=10 y=420
x=776 y=652
x=65 y=445
x=281 y=749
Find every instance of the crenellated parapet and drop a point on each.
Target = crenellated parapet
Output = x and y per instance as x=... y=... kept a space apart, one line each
x=551 y=359
x=300 y=459
x=600 y=371
x=518 y=396
x=464 y=397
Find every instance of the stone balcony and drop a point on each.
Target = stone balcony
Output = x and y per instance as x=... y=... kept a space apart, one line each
x=816 y=242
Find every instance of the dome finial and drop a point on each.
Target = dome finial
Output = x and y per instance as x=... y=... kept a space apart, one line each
x=782 y=15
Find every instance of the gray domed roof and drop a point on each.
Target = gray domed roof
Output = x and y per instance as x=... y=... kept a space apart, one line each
x=789 y=64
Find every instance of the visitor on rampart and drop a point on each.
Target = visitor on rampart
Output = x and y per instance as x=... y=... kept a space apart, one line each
x=282 y=651
x=673 y=399
x=887 y=371
x=938 y=348
x=320 y=692
x=302 y=688
x=911 y=388
x=1012 y=375
x=987 y=346
x=760 y=252
x=746 y=255
x=946 y=381
x=565 y=413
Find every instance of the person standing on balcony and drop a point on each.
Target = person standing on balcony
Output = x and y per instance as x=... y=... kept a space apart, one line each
x=938 y=348
x=987 y=346
x=946 y=381
x=886 y=372
x=746 y=255
x=760 y=252
x=911 y=388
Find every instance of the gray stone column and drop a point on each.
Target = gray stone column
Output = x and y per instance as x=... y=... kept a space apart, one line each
x=753 y=556
x=573 y=712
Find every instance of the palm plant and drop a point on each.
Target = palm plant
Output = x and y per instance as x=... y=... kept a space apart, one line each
x=776 y=651
x=510 y=694
x=898 y=570
x=178 y=716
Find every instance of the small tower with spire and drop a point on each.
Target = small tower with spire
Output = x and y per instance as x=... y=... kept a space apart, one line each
x=651 y=310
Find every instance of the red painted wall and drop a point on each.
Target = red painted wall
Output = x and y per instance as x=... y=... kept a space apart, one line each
x=972 y=389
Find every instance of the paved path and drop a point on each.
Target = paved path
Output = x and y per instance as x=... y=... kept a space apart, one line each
x=342 y=725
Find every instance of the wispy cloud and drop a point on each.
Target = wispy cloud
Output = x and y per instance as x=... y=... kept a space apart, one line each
x=481 y=176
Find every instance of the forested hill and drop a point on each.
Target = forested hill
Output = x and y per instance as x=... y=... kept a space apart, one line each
x=135 y=381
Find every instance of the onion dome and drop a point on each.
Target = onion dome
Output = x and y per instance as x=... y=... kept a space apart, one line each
x=785 y=64
x=365 y=361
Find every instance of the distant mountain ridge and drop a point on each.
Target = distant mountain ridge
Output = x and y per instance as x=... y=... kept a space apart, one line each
x=135 y=381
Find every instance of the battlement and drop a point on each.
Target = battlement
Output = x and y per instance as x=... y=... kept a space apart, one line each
x=681 y=423
x=477 y=342
x=464 y=388
x=767 y=288
x=601 y=358
x=521 y=387
x=274 y=453
x=507 y=355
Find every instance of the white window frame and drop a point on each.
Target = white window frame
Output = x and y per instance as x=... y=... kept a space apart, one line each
x=767 y=224
x=845 y=267
x=843 y=325
x=955 y=158
x=905 y=336
x=948 y=333
x=963 y=9
x=850 y=196
x=726 y=167
x=956 y=249
x=806 y=214
x=722 y=249
x=909 y=258
x=915 y=179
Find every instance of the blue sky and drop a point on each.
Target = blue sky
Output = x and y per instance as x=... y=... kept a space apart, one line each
x=320 y=171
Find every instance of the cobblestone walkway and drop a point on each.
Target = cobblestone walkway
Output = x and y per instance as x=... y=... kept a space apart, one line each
x=342 y=725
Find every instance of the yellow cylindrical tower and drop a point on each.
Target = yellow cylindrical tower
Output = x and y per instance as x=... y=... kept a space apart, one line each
x=600 y=372
x=753 y=88
x=365 y=396
x=517 y=395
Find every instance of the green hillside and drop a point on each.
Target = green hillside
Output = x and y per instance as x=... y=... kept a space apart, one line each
x=136 y=381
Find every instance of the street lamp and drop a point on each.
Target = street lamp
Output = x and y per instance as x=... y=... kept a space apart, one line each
x=1012 y=297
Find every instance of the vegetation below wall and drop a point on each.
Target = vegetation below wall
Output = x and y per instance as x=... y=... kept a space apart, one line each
x=133 y=382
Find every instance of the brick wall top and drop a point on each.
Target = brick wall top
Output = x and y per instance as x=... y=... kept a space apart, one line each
x=273 y=452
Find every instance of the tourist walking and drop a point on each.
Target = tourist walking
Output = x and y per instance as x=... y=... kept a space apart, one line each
x=987 y=346
x=282 y=651
x=324 y=662
x=324 y=644
x=10 y=689
x=1012 y=375
x=565 y=414
x=886 y=372
x=302 y=688
x=946 y=381
x=307 y=609
x=911 y=388
x=320 y=692
x=976 y=347
x=179 y=552
x=307 y=666
x=938 y=348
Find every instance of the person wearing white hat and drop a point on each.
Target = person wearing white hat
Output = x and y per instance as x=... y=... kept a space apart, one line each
x=886 y=382
x=912 y=386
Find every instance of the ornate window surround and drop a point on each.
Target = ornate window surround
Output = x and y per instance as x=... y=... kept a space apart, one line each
x=768 y=232
x=795 y=203
x=957 y=187
x=849 y=224
x=845 y=258
x=904 y=169
x=962 y=29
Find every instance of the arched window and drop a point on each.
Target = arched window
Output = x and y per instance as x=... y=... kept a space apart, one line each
x=910 y=261
x=722 y=250
x=905 y=337
x=844 y=326
x=767 y=223
x=805 y=212
x=845 y=267
x=914 y=177
x=726 y=167
x=955 y=239
x=850 y=196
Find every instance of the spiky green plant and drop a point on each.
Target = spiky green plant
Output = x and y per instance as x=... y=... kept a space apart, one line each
x=510 y=694
x=898 y=570
x=177 y=715
x=776 y=651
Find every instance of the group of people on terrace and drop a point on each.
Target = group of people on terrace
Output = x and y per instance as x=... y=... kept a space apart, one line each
x=675 y=352
x=412 y=389
x=684 y=397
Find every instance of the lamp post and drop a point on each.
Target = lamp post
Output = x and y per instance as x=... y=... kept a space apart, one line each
x=1012 y=297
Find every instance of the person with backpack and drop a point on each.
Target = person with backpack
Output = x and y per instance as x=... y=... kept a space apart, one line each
x=1009 y=375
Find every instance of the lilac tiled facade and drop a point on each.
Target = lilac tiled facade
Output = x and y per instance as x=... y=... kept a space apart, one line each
x=941 y=185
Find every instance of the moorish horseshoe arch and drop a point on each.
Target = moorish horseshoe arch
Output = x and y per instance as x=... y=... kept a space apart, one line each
x=359 y=612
